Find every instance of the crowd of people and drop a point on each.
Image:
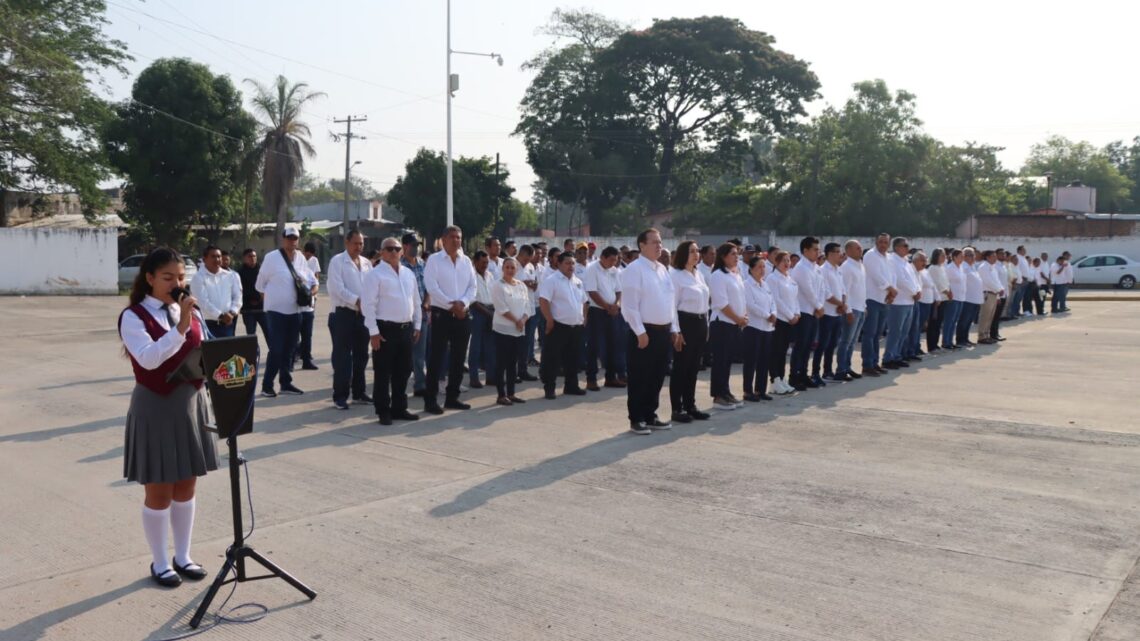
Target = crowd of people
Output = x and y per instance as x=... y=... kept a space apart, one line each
x=625 y=317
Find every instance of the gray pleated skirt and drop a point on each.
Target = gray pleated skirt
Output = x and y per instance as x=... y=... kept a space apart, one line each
x=166 y=437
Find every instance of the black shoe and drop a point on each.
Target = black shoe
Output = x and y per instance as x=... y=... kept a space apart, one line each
x=818 y=382
x=516 y=400
x=914 y=359
x=385 y=418
x=881 y=370
x=268 y=392
x=419 y=393
x=291 y=389
x=902 y=363
x=637 y=427
x=681 y=417
x=656 y=424
x=872 y=372
x=433 y=408
x=1001 y=339
x=799 y=386
x=528 y=377
x=764 y=397
x=549 y=395
x=168 y=579
x=309 y=365
x=456 y=404
x=852 y=375
x=340 y=405
x=699 y=415
x=891 y=365
x=405 y=415
x=574 y=391
x=363 y=398
x=475 y=384
x=752 y=398
x=191 y=571
x=593 y=386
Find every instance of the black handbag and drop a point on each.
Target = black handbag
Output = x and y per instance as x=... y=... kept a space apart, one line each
x=304 y=293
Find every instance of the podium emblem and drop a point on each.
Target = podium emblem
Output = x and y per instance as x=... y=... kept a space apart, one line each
x=234 y=372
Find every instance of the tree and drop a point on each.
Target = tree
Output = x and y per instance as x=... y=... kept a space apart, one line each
x=515 y=214
x=1126 y=159
x=584 y=150
x=180 y=142
x=702 y=80
x=50 y=55
x=421 y=193
x=1080 y=161
x=284 y=144
x=358 y=188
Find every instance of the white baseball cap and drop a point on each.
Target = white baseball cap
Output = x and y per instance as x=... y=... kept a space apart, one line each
x=290 y=230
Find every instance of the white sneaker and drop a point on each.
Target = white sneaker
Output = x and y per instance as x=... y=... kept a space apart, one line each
x=783 y=388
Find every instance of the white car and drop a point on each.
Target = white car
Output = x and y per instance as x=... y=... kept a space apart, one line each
x=1106 y=269
x=129 y=268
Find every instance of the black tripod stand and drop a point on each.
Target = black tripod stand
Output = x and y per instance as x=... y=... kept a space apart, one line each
x=237 y=553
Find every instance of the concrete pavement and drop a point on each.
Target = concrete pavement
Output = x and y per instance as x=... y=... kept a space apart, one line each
x=985 y=495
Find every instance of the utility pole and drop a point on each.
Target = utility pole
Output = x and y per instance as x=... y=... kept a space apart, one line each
x=348 y=136
x=495 y=227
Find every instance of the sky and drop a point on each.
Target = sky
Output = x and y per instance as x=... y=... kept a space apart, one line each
x=1005 y=73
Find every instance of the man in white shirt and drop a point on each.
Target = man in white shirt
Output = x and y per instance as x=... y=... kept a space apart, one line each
x=218 y=292
x=708 y=258
x=283 y=277
x=563 y=303
x=581 y=259
x=808 y=277
x=308 y=313
x=855 y=286
x=975 y=296
x=880 y=293
x=346 y=323
x=604 y=292
x=528 y=274
x=648 y=307
x=1028 y=281
x=901 y=307
x=834 y=312
x=993 y=288
x=481 y=354
x=999 y=267
x=494 y=247
x=393 y=313
x=450 y=282
x=1062 y=278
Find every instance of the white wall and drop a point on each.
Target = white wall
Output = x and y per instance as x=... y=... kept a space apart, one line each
x=58 y=261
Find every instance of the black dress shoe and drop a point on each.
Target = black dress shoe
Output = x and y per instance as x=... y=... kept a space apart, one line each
x=891 y=365
x=549 y=395
x=418 y=393
x=902 y=363
x=852 y=375
x=191 y=571
x=516 y=400
x=593 y=386
x=1001 y=339
x=309 y=365
x=456 y=404
x=657 y=424
x=881 y=370
x=433 y=408
x=385 y=418
x=405 y=416
x=476 y=384
x=699 y=415
x=752 y=398
x=764 y=397
x=528 y=377
x=168 y=579
x=574 y=391
x=363 y=398
x=681 y=417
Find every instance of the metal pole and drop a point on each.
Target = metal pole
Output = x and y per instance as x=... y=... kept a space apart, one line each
x=347 y=169
x=450 y=203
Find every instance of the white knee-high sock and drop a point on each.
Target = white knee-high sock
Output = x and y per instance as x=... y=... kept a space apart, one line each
x=182 y=523
x=156 y=525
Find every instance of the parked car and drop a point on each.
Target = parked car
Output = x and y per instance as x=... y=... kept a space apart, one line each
x=1106 y=269
x=129 y=268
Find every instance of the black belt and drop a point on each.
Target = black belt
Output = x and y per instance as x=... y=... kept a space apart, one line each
x=384 y=323
x=661 y=328
x=692 y=315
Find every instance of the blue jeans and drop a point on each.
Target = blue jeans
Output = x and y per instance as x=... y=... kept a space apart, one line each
x=757 y=348
x=621 y=335
x=218 y=330
x=350 y=351
x=725 y=339
x=805 y=335
x=918 y=320
x=305 y=338
x=1060 y=298
x=1014 y=306
x=600 y=343
x=898 y=330
x=481 y=354
x=419 y=355
x=951 y=310
x=829 y=331
x=966 y=318
x=847 y=340
x=532 y=325
x=282 y=340
x=874 y=323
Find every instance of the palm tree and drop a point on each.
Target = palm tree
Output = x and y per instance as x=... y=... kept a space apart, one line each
x=285 y=145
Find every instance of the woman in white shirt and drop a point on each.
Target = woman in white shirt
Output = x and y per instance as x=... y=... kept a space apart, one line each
x=511 y=301
x=786 y=293
x=952 y=308
x=729 y=316
x=691 y=295
x=167 y=446
x=922 y=308
x=941 y=282
x=761 y=306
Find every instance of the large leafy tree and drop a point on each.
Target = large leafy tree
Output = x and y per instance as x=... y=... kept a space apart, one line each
x=1070 y=161
x=584 y=149
x=702 y=81
x=180 y=142
x=422 y=197
x=50 y=54
x=284 y=142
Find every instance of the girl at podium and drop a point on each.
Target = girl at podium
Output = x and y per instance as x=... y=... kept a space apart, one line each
x=167 y=445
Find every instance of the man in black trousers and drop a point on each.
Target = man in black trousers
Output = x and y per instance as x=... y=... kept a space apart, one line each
x=649 y=309
x=563 y=303
x=449 y=278
x=393 y=313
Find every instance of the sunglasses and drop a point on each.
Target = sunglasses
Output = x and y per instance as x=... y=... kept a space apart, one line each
x=391 y=249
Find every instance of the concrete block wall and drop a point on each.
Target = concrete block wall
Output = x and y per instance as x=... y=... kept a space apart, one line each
x=58 y=261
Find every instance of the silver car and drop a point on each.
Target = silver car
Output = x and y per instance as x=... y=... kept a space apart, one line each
x=1106 y=269
x=129 y=268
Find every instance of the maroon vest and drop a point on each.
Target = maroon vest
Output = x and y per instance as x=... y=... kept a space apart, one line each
x=155 y=379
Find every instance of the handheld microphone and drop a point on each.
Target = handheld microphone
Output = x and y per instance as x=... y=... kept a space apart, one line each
x=178 y=293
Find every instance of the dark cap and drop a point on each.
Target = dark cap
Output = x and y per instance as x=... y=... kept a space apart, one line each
x=410 y=239
x=750 y=248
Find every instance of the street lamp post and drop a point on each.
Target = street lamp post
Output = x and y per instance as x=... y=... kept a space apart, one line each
x=452 y=87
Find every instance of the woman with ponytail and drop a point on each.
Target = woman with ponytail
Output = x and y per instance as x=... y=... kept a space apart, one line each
x=167 y=446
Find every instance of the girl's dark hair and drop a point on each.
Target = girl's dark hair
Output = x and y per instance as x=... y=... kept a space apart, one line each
x=938 y=256
x=681 y=254
x=721 y=252
x=755 y=259
x=158 y=258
